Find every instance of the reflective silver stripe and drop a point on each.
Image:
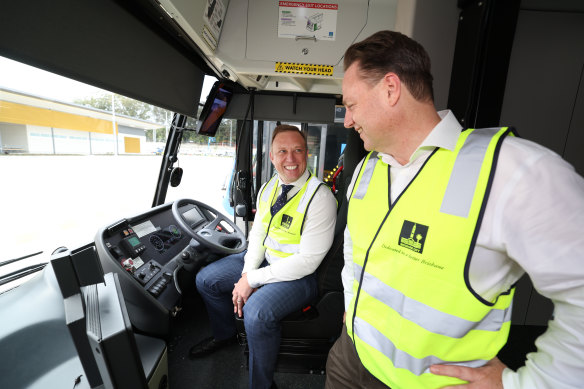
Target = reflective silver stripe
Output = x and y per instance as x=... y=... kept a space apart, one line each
x=366 y=177
x=357 y=270
x=308 y=193
x=284 y=248
x=400 y=358
x=268 y=189
x=427 y=317
x=465 y=173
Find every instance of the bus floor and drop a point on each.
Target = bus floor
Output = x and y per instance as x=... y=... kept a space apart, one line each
x=224 y=369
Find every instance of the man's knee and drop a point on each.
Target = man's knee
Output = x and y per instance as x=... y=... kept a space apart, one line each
x=255 y=315
x=205 y=281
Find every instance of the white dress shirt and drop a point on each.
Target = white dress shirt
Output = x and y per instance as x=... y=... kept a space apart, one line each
x=534 y=223
x=317 y=238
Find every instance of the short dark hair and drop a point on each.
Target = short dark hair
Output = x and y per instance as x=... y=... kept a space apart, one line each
x=391 y=51
x=287 y=127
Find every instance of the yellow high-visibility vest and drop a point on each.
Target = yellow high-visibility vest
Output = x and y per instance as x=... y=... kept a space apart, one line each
x=412 y=302
x=285 y=227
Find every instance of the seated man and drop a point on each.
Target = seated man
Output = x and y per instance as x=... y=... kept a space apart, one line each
x=293 y=230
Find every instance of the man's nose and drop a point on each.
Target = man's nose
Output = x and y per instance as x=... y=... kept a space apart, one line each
x=348 y=122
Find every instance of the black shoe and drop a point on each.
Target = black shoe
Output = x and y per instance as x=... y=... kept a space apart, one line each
x=273 y=385
x=209 y=345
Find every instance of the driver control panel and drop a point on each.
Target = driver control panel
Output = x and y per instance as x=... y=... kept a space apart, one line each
x=145 y=248
x=145 y=273
x=132 y=243
x=158 y=287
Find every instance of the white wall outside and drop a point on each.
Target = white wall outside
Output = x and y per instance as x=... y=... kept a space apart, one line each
x=71 y=141
x=39 y=140
x=102 y=143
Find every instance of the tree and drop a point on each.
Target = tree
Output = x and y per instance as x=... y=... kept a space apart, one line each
x=127 y=107
x=160 y=135
x=133 y=108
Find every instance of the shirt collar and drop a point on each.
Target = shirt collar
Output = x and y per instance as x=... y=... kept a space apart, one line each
x=299 y=182
x=444 y=135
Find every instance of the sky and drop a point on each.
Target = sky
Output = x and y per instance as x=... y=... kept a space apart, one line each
x=23 y=78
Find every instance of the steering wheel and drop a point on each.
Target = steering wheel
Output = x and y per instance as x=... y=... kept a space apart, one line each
x=209 y=235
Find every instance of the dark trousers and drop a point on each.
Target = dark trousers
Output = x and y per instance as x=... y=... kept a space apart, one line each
x=261 y=314
x=344 y=368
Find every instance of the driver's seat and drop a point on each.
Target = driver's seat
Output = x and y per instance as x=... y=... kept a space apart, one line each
x=308 y=335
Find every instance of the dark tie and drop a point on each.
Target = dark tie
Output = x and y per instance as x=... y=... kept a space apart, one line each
x=281 y=200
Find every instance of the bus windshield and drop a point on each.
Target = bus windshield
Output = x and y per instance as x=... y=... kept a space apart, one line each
x=69 y=163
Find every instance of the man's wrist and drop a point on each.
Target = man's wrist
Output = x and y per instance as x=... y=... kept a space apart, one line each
x=244 y=279
x=251 y=278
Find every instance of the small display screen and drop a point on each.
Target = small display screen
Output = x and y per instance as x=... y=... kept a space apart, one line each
x=214 y=109
x=193 y=217
x=134 y=241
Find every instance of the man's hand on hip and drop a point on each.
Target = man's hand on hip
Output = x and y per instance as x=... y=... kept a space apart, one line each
x=488 y=376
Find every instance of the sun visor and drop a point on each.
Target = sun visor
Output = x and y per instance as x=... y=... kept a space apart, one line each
x=284 y=108
x=102 y=44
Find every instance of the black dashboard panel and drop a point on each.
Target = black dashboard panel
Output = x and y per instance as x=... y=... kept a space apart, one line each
x=146 y=247
x=155 y=259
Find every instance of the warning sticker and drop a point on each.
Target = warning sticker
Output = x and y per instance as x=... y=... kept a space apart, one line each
x=213 y=16
x=301 y=68
x=307 y=19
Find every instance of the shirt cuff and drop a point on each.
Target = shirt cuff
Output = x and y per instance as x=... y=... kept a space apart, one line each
x=254 y=278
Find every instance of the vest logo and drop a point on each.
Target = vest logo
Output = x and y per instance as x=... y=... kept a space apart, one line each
x=286 y=221
x=413 y=236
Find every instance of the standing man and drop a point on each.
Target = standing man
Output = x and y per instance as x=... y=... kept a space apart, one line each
x=441 y=224
x=292 y=232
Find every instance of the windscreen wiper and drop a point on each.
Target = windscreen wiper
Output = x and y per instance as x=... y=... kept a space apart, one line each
x=25 y=271
x=19 y=259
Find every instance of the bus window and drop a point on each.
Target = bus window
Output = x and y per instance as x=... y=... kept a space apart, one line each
x=325 y=143
x=314 y=136
x=335 y=142
x=68 y=162
x=207 y=164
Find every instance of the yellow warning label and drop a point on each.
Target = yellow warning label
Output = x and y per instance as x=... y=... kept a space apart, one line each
x=302 y=68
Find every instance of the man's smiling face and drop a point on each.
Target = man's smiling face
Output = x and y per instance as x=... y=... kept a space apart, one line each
x=365 y=109
x=289 y=155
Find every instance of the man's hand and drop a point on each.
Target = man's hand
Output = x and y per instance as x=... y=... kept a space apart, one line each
x=240 y=294
x=488 y=376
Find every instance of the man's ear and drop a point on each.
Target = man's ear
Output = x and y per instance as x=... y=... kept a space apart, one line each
x=271 y=157
x=392 y=85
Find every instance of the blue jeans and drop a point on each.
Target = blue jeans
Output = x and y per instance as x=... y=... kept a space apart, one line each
x=261 y=314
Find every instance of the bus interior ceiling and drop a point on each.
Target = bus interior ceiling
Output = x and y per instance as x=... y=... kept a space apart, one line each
x=488 y=58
